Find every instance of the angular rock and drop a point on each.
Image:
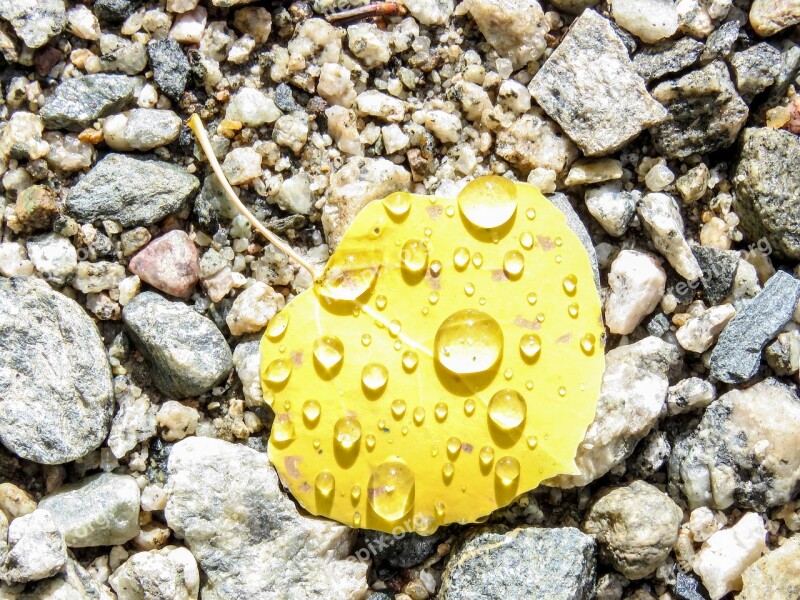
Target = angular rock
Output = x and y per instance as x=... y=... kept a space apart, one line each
x=719 y=271
x=226 y=504
x=690 y=394
x=737 y=355
x=768 y=17
x=775 y=576
x=430 y=12
x=529 y=562
x=34 y=21
x=613 y=207
x=722 y=40
x=51 y=358
x=186 y=352
x=36 y=549
x=631 y=399
x=662 y=219
x=131 y=190
x=744 y=452
x=654 y=62
x=401 y=552
x=533 y=141
x=169 y=263
x=766 y=182
x=77 y=103
x=167 y=574
x=135 y=422
x=212 y=206
x=252 y=107
x=101 y=510
x=705 y=112
x=170 y=67
x=699 y=333
x=589 y=86
x=636 y=527
x=253 y=308
x=115 y=11
x=54 y=257
x=783 y=355
x=96 y=277
x=755 y=69
x=73 y=582
x=141 y=129
x=636 y=281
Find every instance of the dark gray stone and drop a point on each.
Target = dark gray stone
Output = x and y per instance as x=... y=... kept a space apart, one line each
x=402 y=552
x=284 y=99
x=755 y=69
x=56 y=393
x=721 y=41
x=562 y=203
x=705 y=112
x=77 y=103
x=212 y=207
x=737 y=355
x=766 y=182
x=115 y=11
x=790 y=69
x=132 y=190
x=654 y=62
x=529 y=562
x=688 y=588
x=170 y=67
x=186 y=352
x=719 y=271
x=658 y=325
x=35 y=22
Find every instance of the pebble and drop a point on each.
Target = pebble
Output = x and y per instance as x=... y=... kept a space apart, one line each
x=776 y=575
x=694 y=184
x=212 y=206
x=587 y=172
x=402 y=553
x=383 y=106
x=335 y=85
x=765 y=185
x=53 y=358
x=167 y=574
x=169 y=263
x=705 y=113
x=186 y=352
x=67 y=153
x=13 y=260
x=253 y=308
x=444 y=126
x=36 y=549
x=613 y=207
x=242 y=165
x=188 y=27
x=430 y=12
x=783 y=355
x=252 y=108
x=737 y=355
x=369 y=44
x=532 y=142
x=22 y=137
x=247 y=361
x=77 y=103
x=637 y=282
x=654 y=62
x=36 y=208
x=744 y=452
x=14 y=502
x=72 y=582
x=176 y=420
x=227 y=506
x=649 y=20
x=291 y=131
x=631 y=400
x=115 y=11
x=635 y=526
x=54 y=257
x=699 y=333
x=603 y=103
x=133 y=423
x=96 y=277
x=661 y=218
x=727 y=553
x=141 y=129
x=755 y=69
x=690 y=394
x=34 y=22
x=82 y=23
x=719 y=272
x=130 y=190
x=529 y=562
x=768 y=17
x=100 y=510
x=514 y=96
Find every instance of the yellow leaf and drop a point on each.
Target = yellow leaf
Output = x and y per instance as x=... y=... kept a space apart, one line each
x=448 y=360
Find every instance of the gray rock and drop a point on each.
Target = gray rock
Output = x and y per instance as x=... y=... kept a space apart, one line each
x=167 y=574
x=783 y=355
x=170 y=67
x=212 y=207
x=101 y=510
x=72 y=583
x=402 y=552
x=529 y=562
x=636 y=527
x=51 y=358
x=744 y=452
x=186 y=352
x=77 y=103
x=705 y=112
x=284 y=99
x=247 y=362
x=589 y=86
x=562 y=203
x=721 y=41
x=755 y=69
x=227 y=505
x=36 y=549
x=687 y=587
x=658 y=325
x=54 y=257
x=690 y=394
x=737 y=355
x=790 y=69
x=115 y=11
x=34 y=21
x=765 y=182
x=654 y=62
x=719 y=271
x=131 y=190
x=613 y=207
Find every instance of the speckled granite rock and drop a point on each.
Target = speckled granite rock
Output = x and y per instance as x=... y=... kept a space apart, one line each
x=76 y=103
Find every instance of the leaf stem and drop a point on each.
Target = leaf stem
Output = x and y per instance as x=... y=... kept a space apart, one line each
x=199 y=130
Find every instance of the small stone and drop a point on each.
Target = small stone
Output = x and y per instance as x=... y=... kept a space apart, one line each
x=176 y=420
x=291 y=131
x=335 y=85
x=255 y=21
x=242 y=165
x=658 y=325
x=637 y=284
x=649 y=20
x=212 y=206
x=14 y=502
x=430 y=12
x=93 y=278
x=220 y=284
x=369 y=44
x=131 y=190
x=36 y=208
x=170 y=67
x=133 y=240
x=295 y=195
x=169 y=263
x=383 y=106
x=783 y=355
x=101 y=510
x=52 y=358
x=252 y=108
x=775 y=576
x=77 y=103
x=253 y=308
x=755 y=69
x=727 y=553
x=636 y=527
x=141 y=129
x=690 y=394
x=343 y=128
x=699 y=333
x=589 y=86
x=722 y=40
x=125 y=57
x=586 y=172
x=687 y=587
x=659 y=176
x=654 y=62
x=82 y=23
x=444 y=126
x=227 y=506
x=694 y=184
x=167 y=574
x=662 y=219
x=188 y=27
x=534 y=141
x=719 y=271
x=36 y=549
x=54 y=257
x=394 y=139
x=514 y=96
x=186 y=352
x=768 y=17
x=410 y=550
x=704 y=112
x=115 y=11
x=22 y=137
x=613 y=207
x=34 y=21
x=737 y=355
x=247 y=361
x=529 y=562
x=134 y=423
x=73 y=582
x=13 y=260
x=128 y=289
x=67 y=152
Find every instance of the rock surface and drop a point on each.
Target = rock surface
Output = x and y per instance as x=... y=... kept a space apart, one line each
x=226 y=505
x=167 y=574
x=52 y=358
x=613 y=207
x=654 y=62
x=495 y=564
x=76 y=103
x=775 y=576
x=170 y=67
x=719 y=271
x=186 y=352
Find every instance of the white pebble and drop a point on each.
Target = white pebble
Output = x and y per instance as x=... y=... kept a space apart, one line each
x=650 y=20
x=252 y=108
x=637 y=284
x=242 y=165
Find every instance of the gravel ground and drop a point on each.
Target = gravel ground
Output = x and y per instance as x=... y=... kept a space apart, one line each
x=132 y=294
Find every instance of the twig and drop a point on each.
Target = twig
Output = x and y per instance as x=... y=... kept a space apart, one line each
x=376 y=9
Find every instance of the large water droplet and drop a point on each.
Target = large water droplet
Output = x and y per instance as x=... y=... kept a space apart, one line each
x=469 y=289
x=530 y=346
x=397 y=204
x=570 y=285
x=311 y=411
x=328 y=352
x=424 y=524
x=390 y=490
x=282 y=429
x=325 y=483
x=488 y=202
x=414 y=257
x=278 y=371
x=507 y=409
x=587 y=343
x=477 y=260
x=507 y=470
x=461 y=258
x=513 y=264
x=410 y=360
x=394 y=329
x=349 y=275
x=374 y=376
x=277 y=325
x=347 y=432
x=468 y=341
x=398 y=408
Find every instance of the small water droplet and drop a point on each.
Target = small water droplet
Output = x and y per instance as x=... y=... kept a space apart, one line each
x=433 y=298
x=404 y=430
x=440 y=509
x=366 y=339
x=540 y=317
x=461 y=258
x=468 y=341
x=558 y=259
x=453 y=447
x=282 y=429
x=562 y=391
x=398 y=408
x=398 y=345
x=530 y=346
x=529 y=385
x=328 y=352
x=531 y=214
x=356 y=519
x=419 y=415
x=440 y=410
x=414 y=257
x=450 y=210
x=398 y=204
x=573 y=310
x=410 y=360
x=532 y=441
x=374 y=377
x=448 y=470
x=428 y=232
x=513 y=264
x=287 y=405
x=394 y=327
x=469 y=407
x=434 y=451
x=570 y=284
x=380 y=301
x=481 y=300
x=526 y=240
x=381 y=424
x=369 y=441
x=277 y=325
x=508 y=373
x=477 y=260
x=558 y=241
x=486 y=455
x=390 y=490
x=325 y=483
x=469 y=289
x=355 y=493
x=316 y=443
x=347 y=432
x=279 y=371
x=507 y=409
x=587 y=343
x=425 y=311
x=488 y=202
x=532 y=298
x=436 y=268
x=311 y=411
x=507 y=470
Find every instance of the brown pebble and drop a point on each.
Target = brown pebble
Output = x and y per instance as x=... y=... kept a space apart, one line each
x=169 y=263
